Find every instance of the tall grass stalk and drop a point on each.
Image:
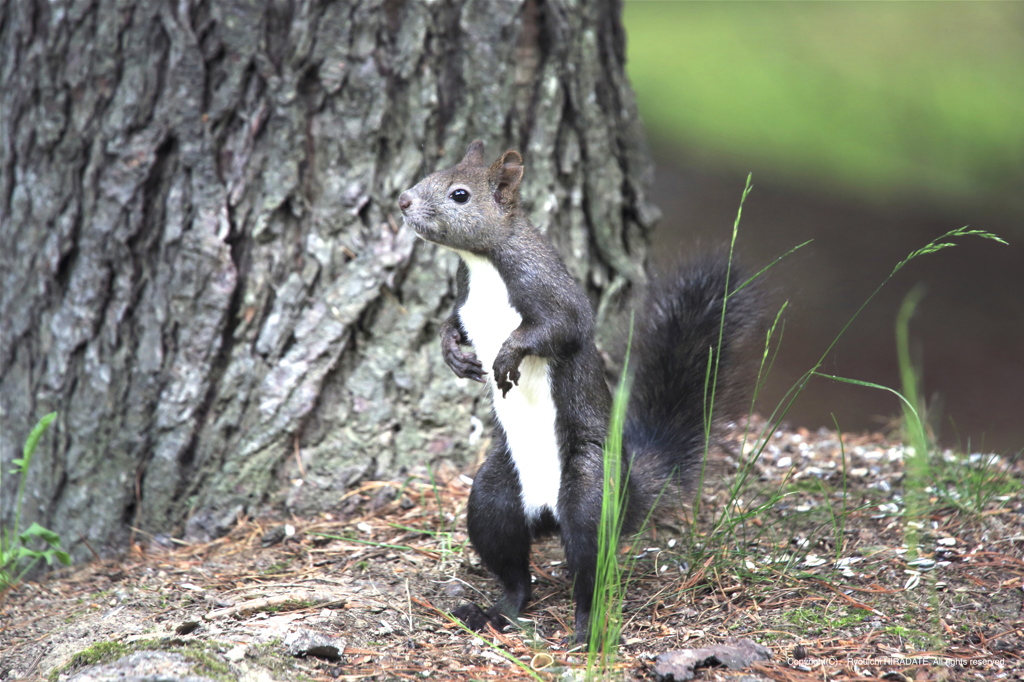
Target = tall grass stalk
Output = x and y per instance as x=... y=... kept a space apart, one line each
x=609 y=587
x=711 y=378
x=914 y=425
x=711 y=375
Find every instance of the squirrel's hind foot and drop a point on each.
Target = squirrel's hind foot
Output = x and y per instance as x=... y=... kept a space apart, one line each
x=477 y=620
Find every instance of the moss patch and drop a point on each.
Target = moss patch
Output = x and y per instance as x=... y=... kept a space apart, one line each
x=202 y=655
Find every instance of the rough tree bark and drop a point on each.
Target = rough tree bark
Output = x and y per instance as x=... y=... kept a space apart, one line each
x=203 y=268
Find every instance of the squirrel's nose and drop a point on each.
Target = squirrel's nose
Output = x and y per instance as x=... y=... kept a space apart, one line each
x=404 y=201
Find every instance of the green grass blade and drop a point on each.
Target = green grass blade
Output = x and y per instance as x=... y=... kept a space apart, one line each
x=606 y=610
x=31 y=442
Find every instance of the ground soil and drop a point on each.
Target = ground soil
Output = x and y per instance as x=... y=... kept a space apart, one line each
x=822 y=576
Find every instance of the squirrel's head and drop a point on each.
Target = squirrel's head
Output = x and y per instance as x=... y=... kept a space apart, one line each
x=470 y=206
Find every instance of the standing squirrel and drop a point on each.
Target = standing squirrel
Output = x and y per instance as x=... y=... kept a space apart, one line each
x=532 y=328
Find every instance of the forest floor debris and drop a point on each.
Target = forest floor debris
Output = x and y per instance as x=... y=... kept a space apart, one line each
x=821 y=576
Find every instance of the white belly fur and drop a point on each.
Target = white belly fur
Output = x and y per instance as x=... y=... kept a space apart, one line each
x=527 y=413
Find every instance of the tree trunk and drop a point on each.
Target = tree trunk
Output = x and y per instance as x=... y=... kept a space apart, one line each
x=203 y=268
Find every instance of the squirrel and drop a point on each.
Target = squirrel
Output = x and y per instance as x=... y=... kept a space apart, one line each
x=532 y=328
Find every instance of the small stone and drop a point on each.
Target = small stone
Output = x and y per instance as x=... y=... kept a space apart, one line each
x=302 y=643
x=733 y=654
x=237 y=653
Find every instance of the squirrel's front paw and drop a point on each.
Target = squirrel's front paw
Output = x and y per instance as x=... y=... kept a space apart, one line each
x=506 y=372
x=464 y=364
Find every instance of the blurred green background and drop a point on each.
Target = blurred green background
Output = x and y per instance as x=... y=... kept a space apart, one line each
x=870 y=127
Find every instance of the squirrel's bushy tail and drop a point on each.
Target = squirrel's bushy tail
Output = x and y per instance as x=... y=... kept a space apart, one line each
x=678 y=331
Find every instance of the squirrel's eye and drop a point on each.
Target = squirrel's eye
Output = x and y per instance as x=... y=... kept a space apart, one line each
x=459 y=196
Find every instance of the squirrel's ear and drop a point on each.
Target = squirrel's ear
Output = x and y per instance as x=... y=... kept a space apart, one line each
x=474 y=154
x=504 y=177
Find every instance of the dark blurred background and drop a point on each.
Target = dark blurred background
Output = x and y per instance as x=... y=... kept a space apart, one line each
x=871 y=128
